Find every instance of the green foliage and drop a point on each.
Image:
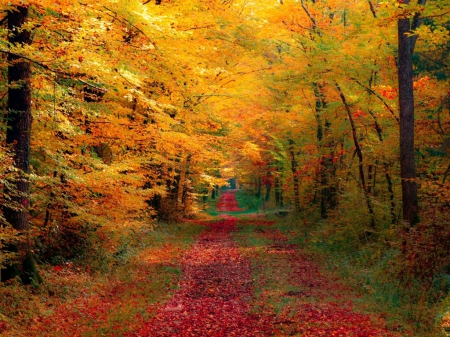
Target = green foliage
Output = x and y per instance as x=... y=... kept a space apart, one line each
x=402 y=272
x=248 y=202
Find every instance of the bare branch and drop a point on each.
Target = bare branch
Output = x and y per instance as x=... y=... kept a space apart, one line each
x=123 y=20
x=56 y=71
x=377 y=95
x=372 y=9
x=314 y=22
x=3 y=20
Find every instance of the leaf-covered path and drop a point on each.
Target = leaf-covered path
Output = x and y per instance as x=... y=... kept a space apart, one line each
x=241 y=277
x=213 y=296
x=216 y=295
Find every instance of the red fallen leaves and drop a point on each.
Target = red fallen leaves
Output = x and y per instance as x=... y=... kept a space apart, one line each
x=212 y=297
x=215 y=293
x=322 y=307
x=216 y=289
x=333 y=319
x=228 y=202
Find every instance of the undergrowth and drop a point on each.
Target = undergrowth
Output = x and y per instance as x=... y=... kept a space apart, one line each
x=126 y=270
x=401 y=273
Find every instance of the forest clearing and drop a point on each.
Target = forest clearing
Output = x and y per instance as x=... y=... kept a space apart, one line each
x=225 y=168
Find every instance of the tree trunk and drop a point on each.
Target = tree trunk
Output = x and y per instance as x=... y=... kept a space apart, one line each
x=278 y=192
x=406 y=106
x=360 y=158
x=258 y=187
x=294 y=167
x=322 y=174
x=18 y=136
x=268 y=188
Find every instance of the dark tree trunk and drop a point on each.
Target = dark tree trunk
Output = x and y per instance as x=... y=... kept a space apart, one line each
x=294 y=168
x=320 y=104
x=18 y=136
x=258 y=187
x=406 y=106
x=19 y=118
x=278 y=192
x=268 y=188
x=386 y=168
x=268 y=184
x=359 y=153
x=328 y=188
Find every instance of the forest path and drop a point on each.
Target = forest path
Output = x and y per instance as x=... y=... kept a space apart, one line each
x=238 y=277
x=237 y=283
x=213 y=295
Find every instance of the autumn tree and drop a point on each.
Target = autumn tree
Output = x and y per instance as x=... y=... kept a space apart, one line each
x=409 y=22
x=18 y=136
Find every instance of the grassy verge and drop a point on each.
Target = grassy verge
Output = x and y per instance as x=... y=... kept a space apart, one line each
x=77 y=302
x=289 y=280
x=372 y=269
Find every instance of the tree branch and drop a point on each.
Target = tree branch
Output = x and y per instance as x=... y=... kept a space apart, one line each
x=372 y=9
x=4 y=95
x=377 y=95
x=3 y=20
x=314 y=22
x=123 y=20
x=56 y=71
x=416 y=22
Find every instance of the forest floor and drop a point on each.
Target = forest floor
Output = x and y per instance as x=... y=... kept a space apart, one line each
x=241 y=277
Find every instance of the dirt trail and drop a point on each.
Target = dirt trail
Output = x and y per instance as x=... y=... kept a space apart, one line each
x=228 y=202
x=212 y=298
x=217 y=295
x=216 y=289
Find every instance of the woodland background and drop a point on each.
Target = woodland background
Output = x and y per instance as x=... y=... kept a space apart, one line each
x=142 y=110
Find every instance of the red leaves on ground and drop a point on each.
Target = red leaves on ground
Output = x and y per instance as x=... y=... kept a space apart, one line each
x=212 y=297
x=216 y=291
x=322 y=306
x=228 y=202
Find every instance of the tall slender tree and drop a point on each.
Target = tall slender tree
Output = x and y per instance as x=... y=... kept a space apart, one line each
x=18 y=137
x=406 y=44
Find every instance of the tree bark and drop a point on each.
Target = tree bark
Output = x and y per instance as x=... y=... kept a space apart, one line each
x=406 y=106
x=328 y=189
x=278 y=192
x=294 y=167
x=268 y=184
x=18 y=136
x=360 y=158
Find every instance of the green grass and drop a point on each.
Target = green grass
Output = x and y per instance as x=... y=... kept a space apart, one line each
x=372 y=269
